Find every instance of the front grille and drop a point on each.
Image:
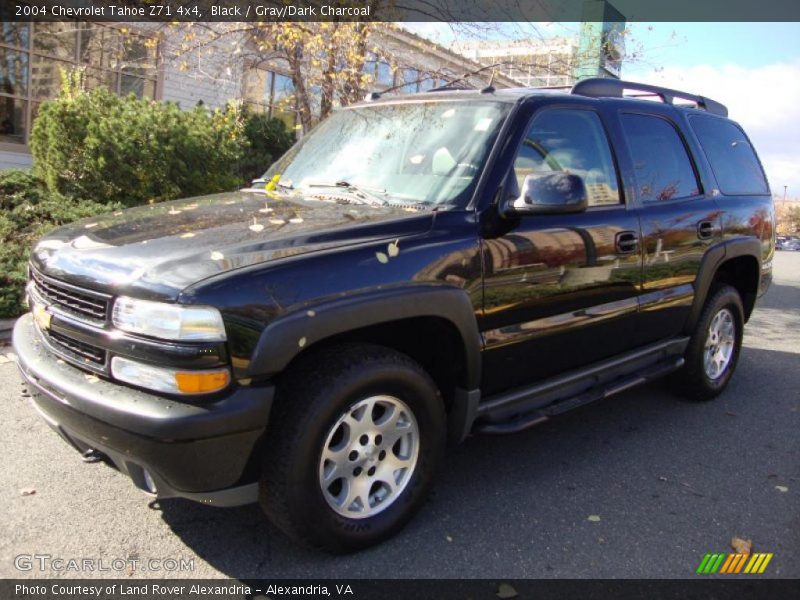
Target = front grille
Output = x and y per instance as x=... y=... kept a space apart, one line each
x=77 y=349
x=69 y=298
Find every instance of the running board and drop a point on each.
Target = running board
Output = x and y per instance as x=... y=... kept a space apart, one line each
x=523 y=408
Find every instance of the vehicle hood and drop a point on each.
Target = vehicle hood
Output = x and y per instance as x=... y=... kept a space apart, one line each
x=156 y=251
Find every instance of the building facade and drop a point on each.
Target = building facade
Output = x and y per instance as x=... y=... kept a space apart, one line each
x=147 y=61
x=534 y=63
x=560 y=61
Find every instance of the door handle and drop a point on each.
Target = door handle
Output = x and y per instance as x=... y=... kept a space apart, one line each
x=627 y=242
x=705 y=230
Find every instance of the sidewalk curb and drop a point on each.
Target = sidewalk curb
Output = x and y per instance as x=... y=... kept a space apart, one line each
x=6 y=328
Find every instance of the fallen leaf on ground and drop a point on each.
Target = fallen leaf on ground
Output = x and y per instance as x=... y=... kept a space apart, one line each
x=782 y=488
x=393 y=249
x=593 y=518
x=741 y=546
x=662 y=478
x=27 y=492
x=382 y=258
x=505 y=591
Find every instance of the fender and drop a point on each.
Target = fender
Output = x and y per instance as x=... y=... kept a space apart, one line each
x=712 y=259
x=285 y=337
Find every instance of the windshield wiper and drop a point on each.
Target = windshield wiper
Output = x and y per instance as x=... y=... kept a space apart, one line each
x=369 y=195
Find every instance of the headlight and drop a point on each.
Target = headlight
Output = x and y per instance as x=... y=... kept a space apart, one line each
x=178 y=322
x=171 y=381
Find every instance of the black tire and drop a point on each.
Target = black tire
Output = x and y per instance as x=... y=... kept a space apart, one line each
x=692 y=381
x=311 y=398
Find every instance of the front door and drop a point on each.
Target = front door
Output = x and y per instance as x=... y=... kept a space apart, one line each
x=560 y=291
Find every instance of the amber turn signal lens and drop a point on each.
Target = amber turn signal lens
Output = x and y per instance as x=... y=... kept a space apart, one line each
x=202 y=382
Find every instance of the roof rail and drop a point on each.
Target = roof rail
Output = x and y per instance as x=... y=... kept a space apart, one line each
x=600 y=87
x=452 y=87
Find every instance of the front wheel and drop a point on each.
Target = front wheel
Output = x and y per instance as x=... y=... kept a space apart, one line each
x=714 y=348
x=352 y=448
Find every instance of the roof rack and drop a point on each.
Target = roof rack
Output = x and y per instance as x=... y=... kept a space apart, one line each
x=599 y=87
x=452 y=87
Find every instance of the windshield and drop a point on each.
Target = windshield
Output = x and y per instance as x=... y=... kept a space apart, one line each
x=410 y=152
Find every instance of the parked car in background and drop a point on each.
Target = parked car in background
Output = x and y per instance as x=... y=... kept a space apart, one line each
x=792 y=245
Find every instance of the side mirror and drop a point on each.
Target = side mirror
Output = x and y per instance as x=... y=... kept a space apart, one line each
x=546 y=194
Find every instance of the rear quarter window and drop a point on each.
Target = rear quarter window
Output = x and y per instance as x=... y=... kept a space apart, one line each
x=731 y=156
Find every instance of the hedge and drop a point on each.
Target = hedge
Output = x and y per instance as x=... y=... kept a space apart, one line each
x=267 y=140
x=28 y=212
x=96 y=152
x=95 y=144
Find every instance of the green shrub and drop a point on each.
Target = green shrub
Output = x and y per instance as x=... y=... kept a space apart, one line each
x=94 y=144
x=268 y=140
x=28 y=212
x=18 y=187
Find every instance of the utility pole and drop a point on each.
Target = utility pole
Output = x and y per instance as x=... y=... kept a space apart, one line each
x=784 y=192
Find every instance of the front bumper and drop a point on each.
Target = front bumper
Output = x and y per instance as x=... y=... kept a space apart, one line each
x=203 y=451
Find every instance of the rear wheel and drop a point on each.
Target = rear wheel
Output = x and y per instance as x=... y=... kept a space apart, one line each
x=353 y=445
x=713 y=350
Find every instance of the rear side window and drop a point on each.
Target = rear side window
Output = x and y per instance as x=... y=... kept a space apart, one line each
x=661 y=164
x=732 y=158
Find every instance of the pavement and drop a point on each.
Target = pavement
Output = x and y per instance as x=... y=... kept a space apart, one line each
x=641 y=485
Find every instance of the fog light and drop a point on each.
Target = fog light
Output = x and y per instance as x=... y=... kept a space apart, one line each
x=171 y=381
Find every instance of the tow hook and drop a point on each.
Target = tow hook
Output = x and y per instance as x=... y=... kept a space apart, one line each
x=92 y=456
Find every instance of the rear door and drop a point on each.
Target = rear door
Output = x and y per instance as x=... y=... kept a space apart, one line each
x=679 y=218
x=560 y=290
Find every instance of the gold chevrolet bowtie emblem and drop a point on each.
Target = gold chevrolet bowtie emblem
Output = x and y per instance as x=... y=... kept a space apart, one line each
x=41 y=316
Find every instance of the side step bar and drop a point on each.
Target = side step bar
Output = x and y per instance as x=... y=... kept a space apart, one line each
x=522 y=408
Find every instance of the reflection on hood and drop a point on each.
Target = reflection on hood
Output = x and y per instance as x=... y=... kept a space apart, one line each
x=166 y=247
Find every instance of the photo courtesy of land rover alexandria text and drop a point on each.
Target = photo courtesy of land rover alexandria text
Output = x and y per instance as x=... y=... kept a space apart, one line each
x=415 y=270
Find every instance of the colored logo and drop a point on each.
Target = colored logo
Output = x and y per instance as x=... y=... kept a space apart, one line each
x=734 y=563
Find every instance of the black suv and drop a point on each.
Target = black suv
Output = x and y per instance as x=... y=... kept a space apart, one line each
x=415 y=270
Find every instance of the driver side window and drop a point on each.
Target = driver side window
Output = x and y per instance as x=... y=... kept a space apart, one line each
x=572 y=141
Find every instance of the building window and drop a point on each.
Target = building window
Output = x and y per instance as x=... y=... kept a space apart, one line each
x=32 y=56
x=380 y=72
x=271 y=93
x=411 y=81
